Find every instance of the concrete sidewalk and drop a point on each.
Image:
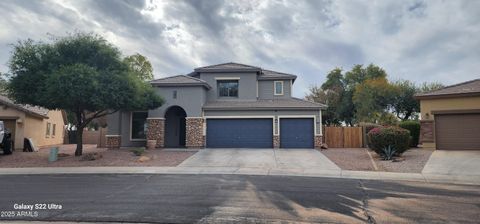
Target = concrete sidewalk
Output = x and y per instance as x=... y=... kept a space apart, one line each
x=422 y=177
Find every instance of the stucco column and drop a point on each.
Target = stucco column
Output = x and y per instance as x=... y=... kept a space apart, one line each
x=194 y=132
x=318 y=141
x=113 y=141
x=156 y=131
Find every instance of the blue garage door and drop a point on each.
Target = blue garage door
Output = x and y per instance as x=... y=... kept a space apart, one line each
x=296 y=132
x=239 y=133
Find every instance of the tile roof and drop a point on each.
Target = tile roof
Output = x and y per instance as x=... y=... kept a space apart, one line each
x=33 y=110
x=180 y=80
x=291 y=103
x=471 y=87
x=269 y=74
x=228 y=65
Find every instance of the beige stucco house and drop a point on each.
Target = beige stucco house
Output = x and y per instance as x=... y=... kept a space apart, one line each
x=450 y=117
x=44 y=127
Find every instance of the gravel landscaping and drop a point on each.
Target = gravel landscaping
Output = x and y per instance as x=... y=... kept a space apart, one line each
x=412 y=161
x=109 y=157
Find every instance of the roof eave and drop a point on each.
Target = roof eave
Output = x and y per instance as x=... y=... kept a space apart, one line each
x=227 y=70
x=181 y=85
x=444 y=96
x=263 y=108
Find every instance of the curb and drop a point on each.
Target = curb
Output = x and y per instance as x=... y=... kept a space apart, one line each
x=347 y=174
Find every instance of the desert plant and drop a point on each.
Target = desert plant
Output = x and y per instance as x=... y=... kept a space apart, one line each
x=388 y=152
x=414 y=128
x=366 y=126
x=138 y=151
x=382 y=137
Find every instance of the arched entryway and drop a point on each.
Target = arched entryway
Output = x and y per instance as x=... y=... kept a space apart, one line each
x=175 y=127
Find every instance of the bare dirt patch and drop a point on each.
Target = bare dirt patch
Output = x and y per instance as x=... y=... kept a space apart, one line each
x=412 y=161
x=109 y=157
x=350 y=158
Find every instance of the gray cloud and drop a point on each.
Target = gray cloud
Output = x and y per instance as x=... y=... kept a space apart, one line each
x=414 y=39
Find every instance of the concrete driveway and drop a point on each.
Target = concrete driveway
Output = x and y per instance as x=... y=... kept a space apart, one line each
x=270 y=159
x=453 y=162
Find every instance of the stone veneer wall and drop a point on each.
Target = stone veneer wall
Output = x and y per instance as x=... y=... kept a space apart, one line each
x=317 y=141
x=113 y=141
x=427 y=131
x=276 y=141
x=156 y=131
x=194 y=135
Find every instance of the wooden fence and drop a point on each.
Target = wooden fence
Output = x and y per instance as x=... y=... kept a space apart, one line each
x=343 y=137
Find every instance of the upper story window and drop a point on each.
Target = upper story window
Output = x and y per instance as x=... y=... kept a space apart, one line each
x=138 y=125
x=174 y=94
x=227 y=88
x=278 y=87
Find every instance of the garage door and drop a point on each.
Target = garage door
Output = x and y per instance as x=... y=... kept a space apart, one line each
x=296 y=132
x=239 y=133
x=457 y=131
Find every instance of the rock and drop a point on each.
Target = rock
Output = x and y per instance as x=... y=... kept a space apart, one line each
x=91 y=156
x=143 y=159
x=324 y=146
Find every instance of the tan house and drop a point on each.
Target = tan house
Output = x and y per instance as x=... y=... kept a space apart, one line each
x=44 y=127
x=450 y=117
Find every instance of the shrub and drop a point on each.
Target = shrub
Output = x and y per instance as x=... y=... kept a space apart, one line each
x=382 y=137
x=414 y=128
x=138 y=151
x=366 y=128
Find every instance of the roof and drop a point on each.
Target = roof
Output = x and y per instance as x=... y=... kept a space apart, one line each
x=32 y=110
x=469 y=88
x=290 y=103
x=269 y=74
x=227 y=66
x=180 y=80
x=264 y=74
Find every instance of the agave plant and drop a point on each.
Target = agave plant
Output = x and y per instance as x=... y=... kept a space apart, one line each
x=388 y=152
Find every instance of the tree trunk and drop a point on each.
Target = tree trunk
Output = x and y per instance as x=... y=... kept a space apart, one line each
x=79 y=134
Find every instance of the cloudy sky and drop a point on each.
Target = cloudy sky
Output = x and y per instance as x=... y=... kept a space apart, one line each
x=412 y=39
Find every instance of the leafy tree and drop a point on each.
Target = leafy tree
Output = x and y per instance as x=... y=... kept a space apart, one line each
x=427 y=87
x=140 y=65
x=370 y=98
x=3 y=82
x=403 y=102
x=80 y=73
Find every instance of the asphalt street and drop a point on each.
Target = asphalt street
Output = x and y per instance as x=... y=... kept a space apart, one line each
x=232 y=199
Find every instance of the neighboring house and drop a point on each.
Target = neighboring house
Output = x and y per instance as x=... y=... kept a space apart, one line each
x=44 y=127
x=227 y=105
x=450 y=117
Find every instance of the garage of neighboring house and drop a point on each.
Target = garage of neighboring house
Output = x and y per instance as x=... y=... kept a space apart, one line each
x=239 y=133
x=450 y=117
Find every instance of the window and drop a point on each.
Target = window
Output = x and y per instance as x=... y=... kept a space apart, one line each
x=48 y=129
x=278 y=87
x=174 y=94
x=138 y=125
x=227 y=88
x=54 y=126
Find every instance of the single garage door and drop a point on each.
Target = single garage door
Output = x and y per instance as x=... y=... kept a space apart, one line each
x=296 y=132
x=457 y=131
x=239 y=133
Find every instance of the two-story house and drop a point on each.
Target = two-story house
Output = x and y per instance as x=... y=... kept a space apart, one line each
x=227 y=105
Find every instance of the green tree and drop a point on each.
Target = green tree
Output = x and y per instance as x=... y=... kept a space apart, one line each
x=140 y=65
x=427 y=87
x=80 y=73
x=370 y=98
x=330 y=93
x=403 y=102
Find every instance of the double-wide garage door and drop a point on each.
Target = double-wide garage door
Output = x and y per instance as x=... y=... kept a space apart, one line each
x=240 y=133
x=258 y=133
x=457 y=131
